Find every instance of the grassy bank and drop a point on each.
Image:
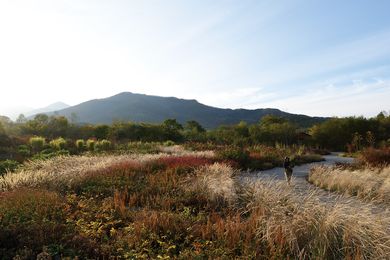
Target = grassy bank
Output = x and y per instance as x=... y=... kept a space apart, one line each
x=367 y=183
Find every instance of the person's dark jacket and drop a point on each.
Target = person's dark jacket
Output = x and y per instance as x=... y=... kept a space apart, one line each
x=287 y=164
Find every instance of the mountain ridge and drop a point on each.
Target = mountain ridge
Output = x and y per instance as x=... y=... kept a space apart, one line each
x=50 y=108
x=127 y=106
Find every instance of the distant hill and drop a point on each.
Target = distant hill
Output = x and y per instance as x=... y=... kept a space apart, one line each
x=128 y=106
x=50 y=108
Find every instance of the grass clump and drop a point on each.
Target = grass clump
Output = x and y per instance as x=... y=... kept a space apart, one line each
x=58 y=144
x=80 y=145
x=37 y=143
x=367 y=183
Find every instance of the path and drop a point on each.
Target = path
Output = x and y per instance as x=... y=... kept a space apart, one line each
x=303 y=188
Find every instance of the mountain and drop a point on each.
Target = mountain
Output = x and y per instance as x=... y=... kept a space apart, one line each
x=50 y=108
x=128 y=106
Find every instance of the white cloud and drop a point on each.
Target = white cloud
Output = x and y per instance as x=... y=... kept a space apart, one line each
x=355 y=99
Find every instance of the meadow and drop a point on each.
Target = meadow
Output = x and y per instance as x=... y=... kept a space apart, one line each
x=173 y=204
x=143 y=191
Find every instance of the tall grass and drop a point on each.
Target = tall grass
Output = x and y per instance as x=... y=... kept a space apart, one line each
x=64 y=171
x=179 y=207
x=303 y=228
x=367 y=183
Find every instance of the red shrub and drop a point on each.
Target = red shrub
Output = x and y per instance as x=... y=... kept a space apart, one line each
x=375 y=157
x=184 y=161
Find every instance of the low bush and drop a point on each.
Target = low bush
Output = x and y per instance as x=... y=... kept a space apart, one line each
x=91 y=145
x=80 y=145
x=142 y=147
x=37 y=143
x=235 y=154
x=31 y=220
x=102 y=145
x=169 y=143
x=58 y=144
x=8 y=165
x=375 y=157
x=24 y=150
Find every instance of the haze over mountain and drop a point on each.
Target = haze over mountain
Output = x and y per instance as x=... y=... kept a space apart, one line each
x=128 y=106
x=50 y=108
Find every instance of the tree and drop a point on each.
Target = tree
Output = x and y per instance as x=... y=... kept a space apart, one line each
x=21 y=119
x=57 y=126
x=101 y=131
x=2 y=130
x=172 y=130
x=370 y=138
x=194 y=126
x=172 y=125
x=193 y=131
x=42 y=118
x=357 y=140
x=273 y=129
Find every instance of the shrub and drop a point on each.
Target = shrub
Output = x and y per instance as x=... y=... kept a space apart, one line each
x=31 y=219
x=234 y=154
x=8 y=165
x=103 y=145
x=24 y=150
x=375 y=157
x=143 y=147
x=80 y=145
x=49 y=153
x=169 y=143
x=91 y=145
x=188 y=161
x=58 y=144
x=37 y=143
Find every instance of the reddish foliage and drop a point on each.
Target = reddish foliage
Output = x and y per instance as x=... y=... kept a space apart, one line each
x=184 y=161
x=376 y=157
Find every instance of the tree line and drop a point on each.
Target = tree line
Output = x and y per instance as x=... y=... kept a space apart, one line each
x=344 y=134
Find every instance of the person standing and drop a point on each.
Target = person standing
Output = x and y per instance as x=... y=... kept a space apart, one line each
x=288 y=169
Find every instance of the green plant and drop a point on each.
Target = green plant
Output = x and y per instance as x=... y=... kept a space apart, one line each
x=91 y=145
x=234 y=154
x=143 y=147
x=58 y=144
x=37 y=143
x=24 y=150
x=103 y=145
x=8 y=165
x=169 y=143
x=80 y=145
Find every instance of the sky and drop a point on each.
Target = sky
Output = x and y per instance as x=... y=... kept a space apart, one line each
x=313 y=57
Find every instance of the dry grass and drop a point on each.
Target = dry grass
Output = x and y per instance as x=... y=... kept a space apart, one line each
x=64 y=171
x=159 y=207
x=366 y=183
x=270 y=214
x=307 y=229
x=216 y=181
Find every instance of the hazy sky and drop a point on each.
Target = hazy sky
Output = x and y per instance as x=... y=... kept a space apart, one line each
x=313 y=57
